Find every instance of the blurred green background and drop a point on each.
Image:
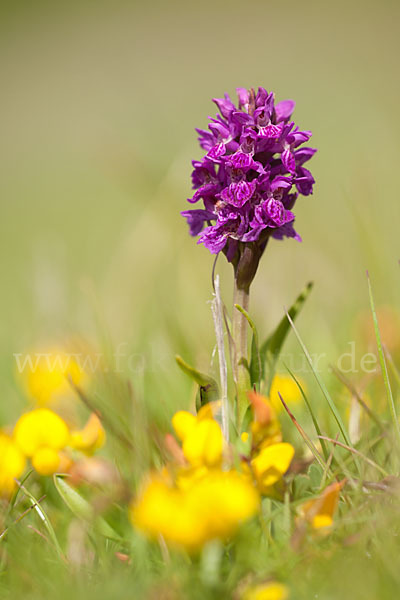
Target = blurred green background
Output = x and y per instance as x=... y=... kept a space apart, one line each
x=99 y=105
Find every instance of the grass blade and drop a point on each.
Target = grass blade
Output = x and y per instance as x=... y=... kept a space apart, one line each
x=382 y=361
x=271 y=348
x=321 y=384
x=43 y=517
x=389 y=358
x=310 y=410
x=358 y=453
x=303 y=434
x=343 y=379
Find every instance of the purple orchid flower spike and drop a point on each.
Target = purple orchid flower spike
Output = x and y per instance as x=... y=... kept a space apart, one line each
x=249 y=178
x=248 y=181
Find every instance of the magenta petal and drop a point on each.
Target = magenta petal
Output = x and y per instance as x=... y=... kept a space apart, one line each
x=216 y=151
x=284 y=109
x=288 y=161
x=243 y=96
x=225 y=105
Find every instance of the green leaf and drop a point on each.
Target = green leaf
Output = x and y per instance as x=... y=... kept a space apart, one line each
x=315 y=475
x=209 y=390
x=271 y=348
x=82 y=509
x=300 y=486
x=255 y=368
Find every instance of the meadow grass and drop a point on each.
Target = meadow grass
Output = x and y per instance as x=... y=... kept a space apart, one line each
x=82 y=543
x=95 y=256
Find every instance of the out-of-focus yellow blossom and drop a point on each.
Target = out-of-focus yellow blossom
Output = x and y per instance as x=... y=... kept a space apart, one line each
x=267 y=591
x=183 y=422
x=184 y=477
x=47 y=461
x=46 y=376
x=12 y=464
x=201 y=436
x=271 y=464
x=265 y=427
x=212 y=506
x=288 y=389
x=41 y=435
x=320 y=512
x=204 y=444
x=161 y=511
x=90 y=438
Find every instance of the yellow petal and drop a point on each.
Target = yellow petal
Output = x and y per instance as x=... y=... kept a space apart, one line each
x=183 y=422
x=46 y=461
x=209 y=410
x=204 y=443
x=91 y=437
x=224 y=499
x=320 y=521
x=40 y=428
x=268 y=591
x=162 y=510
x=320 y=512
x=271 y=463
x=287 y=388
x=12 y=464
x=46 y=376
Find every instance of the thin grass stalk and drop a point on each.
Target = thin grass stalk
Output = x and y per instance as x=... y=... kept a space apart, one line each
x=240 y=365
x=382 y=361
x=217 y=312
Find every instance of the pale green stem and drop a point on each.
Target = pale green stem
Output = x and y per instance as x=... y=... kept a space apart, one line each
x=240 y=366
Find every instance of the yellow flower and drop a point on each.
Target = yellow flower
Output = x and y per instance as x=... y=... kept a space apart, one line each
x=46 y=377
x=201 y=436
x=12 y=464
x=161 y=510
x=185 y=477
x=47 y=461
x=267 y=591
x=183 y=422
x=226 y=498
x=265 y=427
x=41 y=434
x=288 y=389
x=271 y=464
x=90 y=438
x=319 y=512
x=204 y=444
x=208 y=507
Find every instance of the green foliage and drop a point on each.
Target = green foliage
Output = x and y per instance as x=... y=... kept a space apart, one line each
x=82 y=509
x=208 y=387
